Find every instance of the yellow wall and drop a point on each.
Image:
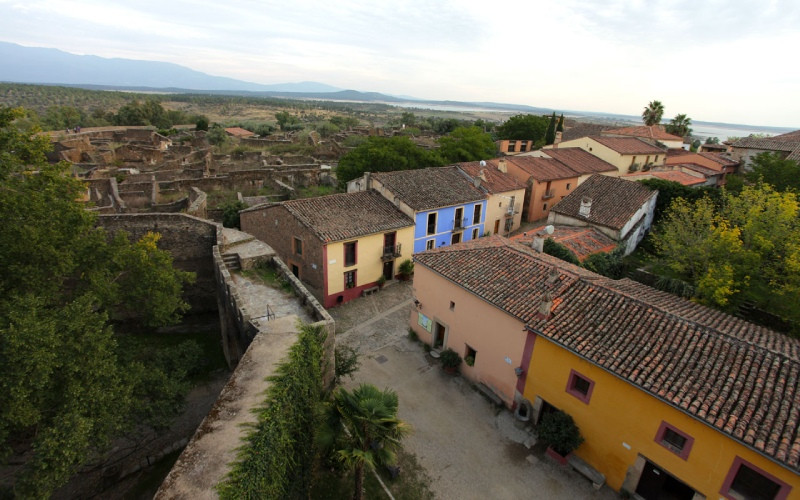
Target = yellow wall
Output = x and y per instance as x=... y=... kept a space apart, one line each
x=369 y=266
x=622 y=162
x=497 y=206
x=619 y=413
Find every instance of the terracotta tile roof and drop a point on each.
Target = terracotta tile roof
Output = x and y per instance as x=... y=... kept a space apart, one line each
x=655 y=132
x=583 y=241
x=239 y=132
x=582 y=162
x=720 y=158
x=673 y=152
x=669 y=175
x=769 y=144
x=614 y=201
x=628 y=145
x=429 y=188
x=737 y=377
x=583 y=130
x=344 y=216
x=708 y=172
x=542 y=169
x=789 y=136
x=496 y=181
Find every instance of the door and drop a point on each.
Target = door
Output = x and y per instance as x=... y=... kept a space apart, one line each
x=496 y=227
x=388 y=270
x=656 y=484
x=438 y=335
x=295 y=271
x=388 y=244
x=459 y=222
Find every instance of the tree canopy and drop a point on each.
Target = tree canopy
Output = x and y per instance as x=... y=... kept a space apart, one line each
x=680 y=125
x=467 y=144
x=524 y=127
x=385 y=154
x=63 y=389
x=652 y=113
x=747 y=250
x=780 y=173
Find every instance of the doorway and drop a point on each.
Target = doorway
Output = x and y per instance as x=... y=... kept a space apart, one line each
x=456 y=238
x=656 y=484
x=388 y=270
x=295 y=271
x=439 y=331
x=459 y=218
x=497 y=227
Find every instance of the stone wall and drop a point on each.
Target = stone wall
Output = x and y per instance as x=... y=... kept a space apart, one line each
x=188 y=239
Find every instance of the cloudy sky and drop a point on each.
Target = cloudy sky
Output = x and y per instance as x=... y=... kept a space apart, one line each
x=732 y=61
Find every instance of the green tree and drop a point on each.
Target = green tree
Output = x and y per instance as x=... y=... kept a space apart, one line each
x=201 y=123
x=680 y=125
x=384 y=154
x=560 y=127
x=63 y=389
x=712 y=140
x=747 y=250
x=523 y=127
x=288 y=121
x=780 y=173
x=374 y=431
x=466 y=144
x=556 y=249
x=217 y=136
x=230 y=213
x=550 y=134
x=652 y=113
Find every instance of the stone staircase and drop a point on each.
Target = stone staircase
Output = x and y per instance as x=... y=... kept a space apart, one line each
x=231 y=261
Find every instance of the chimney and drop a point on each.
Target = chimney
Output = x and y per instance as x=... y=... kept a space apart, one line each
x=501 y=166
x=538 y=243
x=545 y=305
x=367 y=179
x=558 y=139
x=482 y=175
x=586 y=206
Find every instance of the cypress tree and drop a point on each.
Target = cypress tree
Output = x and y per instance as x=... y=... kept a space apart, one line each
x=560 y=127
x=550 y=136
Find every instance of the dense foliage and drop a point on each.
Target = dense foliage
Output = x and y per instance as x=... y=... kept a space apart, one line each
x=747 y=250
x=780 y=173
x=385 y=154
x=64 y=390
x=558 y=430
x=680 y=126
x=556 y=249
x=277 y=459
x=466 y=144
x=670 y=190
x=524 y=127
x=652 y=113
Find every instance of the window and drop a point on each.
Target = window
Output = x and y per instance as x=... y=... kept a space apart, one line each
x=568 y=186
x=746 y=481
x=429 y=244
x=432 y=223
x=298 y=246
x=452 y=306
x=350 y=253
x=674 y=440
x=469 y=356
x=544 y=207
x=350 y=279
x=476 y=215
x=523 y=145
x=475 y=234
x=580 y=386
x=512 y=146
x=456 y=238
x=633 y=160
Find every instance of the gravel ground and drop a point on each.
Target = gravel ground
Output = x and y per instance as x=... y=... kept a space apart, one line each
x=469 y=447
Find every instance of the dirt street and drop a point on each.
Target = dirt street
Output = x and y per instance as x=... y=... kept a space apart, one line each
x=470 y=448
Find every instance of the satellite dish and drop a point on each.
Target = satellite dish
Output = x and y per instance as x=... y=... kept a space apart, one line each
x=549 y=229
x=483 y=163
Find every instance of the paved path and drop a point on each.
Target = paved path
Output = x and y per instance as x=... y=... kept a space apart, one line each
x=471 y=449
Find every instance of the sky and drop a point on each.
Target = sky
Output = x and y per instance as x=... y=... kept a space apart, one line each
x=732 y=61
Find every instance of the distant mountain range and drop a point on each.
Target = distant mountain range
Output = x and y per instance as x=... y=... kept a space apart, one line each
x=19 y=64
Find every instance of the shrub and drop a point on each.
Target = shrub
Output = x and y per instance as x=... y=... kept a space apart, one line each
x=558 y=430
x=406 y=268
x=552 y=247
x=450 y=359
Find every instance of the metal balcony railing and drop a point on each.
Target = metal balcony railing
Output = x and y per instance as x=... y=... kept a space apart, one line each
x=391 y=252
x=459 y=224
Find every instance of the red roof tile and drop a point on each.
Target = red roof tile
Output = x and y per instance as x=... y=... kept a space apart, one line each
x=614 y=201
x=582 y=162
x=495 y=180
x=669 y=175
x=583 y=241
x=737 y=377
x=542 y=169
x=239 y=132
x=655 y=132
x=628 y=145
x=428 y=188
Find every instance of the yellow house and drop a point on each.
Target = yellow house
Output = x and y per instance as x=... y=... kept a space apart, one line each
x=505 y=193
x=628 y=154
x=674 y=400
x=339 y=245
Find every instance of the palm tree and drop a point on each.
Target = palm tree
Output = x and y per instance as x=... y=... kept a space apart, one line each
x=374 y=431
x=652 y=113
x=680 y=125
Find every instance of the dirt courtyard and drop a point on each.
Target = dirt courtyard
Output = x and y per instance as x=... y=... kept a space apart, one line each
x=470 y=448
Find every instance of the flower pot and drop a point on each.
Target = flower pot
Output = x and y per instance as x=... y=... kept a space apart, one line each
x=556 y=456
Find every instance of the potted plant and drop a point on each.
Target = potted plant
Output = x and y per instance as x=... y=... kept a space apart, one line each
x=451 y=361
x=559 y=432
x=381 y=281
x=406 y=269
x=470 y=360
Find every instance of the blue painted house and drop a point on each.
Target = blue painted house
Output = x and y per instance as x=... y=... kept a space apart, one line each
x=447 y=207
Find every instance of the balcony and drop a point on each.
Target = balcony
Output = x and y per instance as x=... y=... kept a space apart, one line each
x=460 y=224
x=391 y=252
x=548 y=194
x=510 y=212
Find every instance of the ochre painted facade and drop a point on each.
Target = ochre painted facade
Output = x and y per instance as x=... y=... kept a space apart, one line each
x=620 y=423
x=498 y=208
x=369 y=263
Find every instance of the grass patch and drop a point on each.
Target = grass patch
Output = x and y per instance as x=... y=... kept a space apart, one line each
x=270 y=276
x=314 y=191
